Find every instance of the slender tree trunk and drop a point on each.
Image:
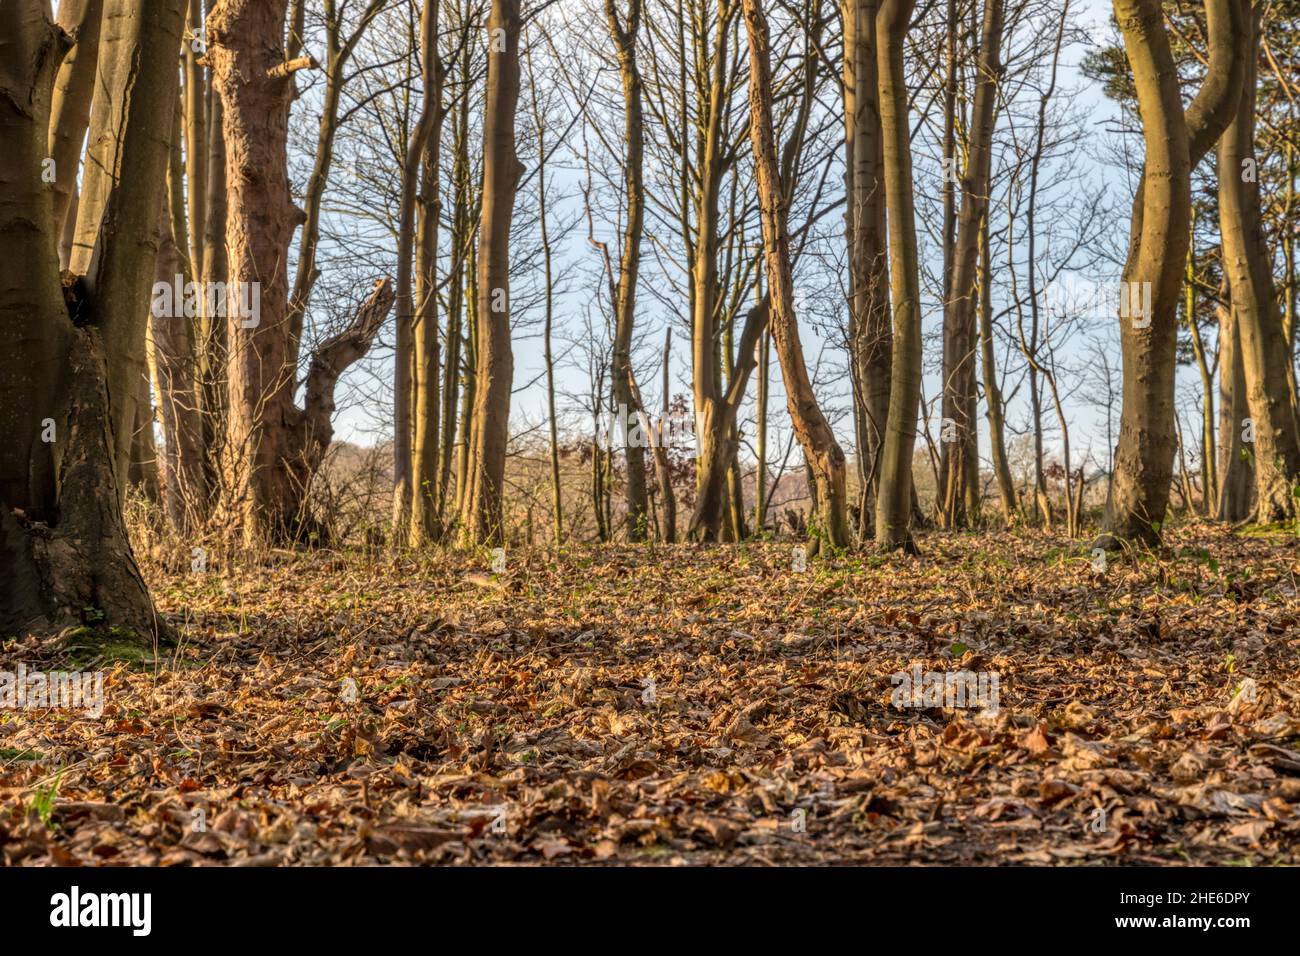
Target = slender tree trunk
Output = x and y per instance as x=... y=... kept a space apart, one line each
x=426 y=520
x=469 y=367
x=663 y=465
x=1209 y=481
x=482 y=517
x=553 y=425
x=142 y=471
x=992 y=385
x=404 y=362
x=458 y=302
x=175 y=376
x=959 y=454
x=713 y=419
x=624 y=32
x=1236 y=474
x=74 y=89
x=894 y=510
x=212 y=328
x=821 y=451
x=196 y=148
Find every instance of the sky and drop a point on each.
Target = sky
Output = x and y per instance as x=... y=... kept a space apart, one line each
x=1087 y=422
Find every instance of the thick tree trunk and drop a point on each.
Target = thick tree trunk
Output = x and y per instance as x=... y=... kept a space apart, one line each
x=1152 y=279
x=482 y=519
x=1248 y=266
x=250 y=74
x=119 y=192
x=870 y=333
x=63 y=544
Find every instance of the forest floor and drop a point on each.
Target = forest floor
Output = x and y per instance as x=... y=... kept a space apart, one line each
x=688 y=705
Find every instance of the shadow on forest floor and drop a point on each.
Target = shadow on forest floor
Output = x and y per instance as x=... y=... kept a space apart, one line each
x=690 y=704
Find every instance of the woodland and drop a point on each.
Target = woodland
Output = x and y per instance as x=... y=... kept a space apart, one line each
x=649 y=432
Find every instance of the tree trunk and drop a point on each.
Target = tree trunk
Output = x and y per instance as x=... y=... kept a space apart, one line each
x=894 y=508
x=959 y=457
x=74 y=89
x=1158 y=241
x=404 y=362
x=1209 y=481
x=713 y=419
x=211 y=343
x=274 y=448
x=1236 y=474
x=174 y=373
x=992 y=385
x=196 y=141
x=482 y=519
x=426 y=519
x=116 y=201
x=1248 y=266
x=247 y=53
x=870 y=334
x=821 y=451
x=625 y=38
x=63 y=544
x=663 y=466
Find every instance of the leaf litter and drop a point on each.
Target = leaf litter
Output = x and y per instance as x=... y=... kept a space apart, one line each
x=686 y=705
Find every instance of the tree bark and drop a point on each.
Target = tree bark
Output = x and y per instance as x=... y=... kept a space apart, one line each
x=870 y=334
x=74 y=89
x=482 y=519
x=624 y=34
x=1158 y=241
x=175 y=384
x=119 y=193
x=404 y=363
x=992 y=386
x=821 y=451
x=63 y=544
x=959 y=458
x=247 y=52
x=1248 y=266
x=894 y=508
x=1236 y=473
